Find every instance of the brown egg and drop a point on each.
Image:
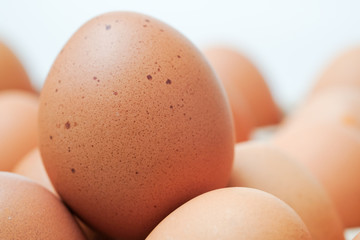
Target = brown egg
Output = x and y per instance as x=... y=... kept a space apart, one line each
x=343 y=71
x=339 y=106
x=132 y=124
x=31 y=166
x=244 y=83
x=267 y=168
x=18 y=126
x=12 y=73
x=29 y=211
x=232 y=214
x=331 y=152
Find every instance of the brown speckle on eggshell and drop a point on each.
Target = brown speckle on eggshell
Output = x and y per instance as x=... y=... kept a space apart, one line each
x=178 y=152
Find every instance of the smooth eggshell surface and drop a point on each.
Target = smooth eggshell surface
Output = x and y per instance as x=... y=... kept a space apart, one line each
x=31 y=166
x=344 y=70
x=335 y=105
x=232 y=214
x=12 y=73
x=18 y=126
x=267 y=168
x=29 y=211
x=244 y=84
x=331 y=152
x=133 y=123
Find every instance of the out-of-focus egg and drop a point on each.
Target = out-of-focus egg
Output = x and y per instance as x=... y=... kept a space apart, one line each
x=244 y=83
x=31 y=166
x=133 y=123
x=331 y=152
x=267 y=168
x=232 y=214
x=29 y=211
x=18 y=126
x=12 y=73
x=339 y=106
x=343 y=71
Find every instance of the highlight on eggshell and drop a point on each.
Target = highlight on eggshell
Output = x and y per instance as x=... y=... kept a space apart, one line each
x=29 y=211
x=232 y=213
x=249 y=95
x=344 y=70
x=18 y=126
x=331 y=152
x=12 y=74
x=132 y=124
x=265 y=167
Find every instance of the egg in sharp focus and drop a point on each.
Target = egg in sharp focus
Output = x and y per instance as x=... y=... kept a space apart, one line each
x=132 y=124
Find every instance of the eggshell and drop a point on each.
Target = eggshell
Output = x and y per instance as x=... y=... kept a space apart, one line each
x=244 y=83
x=18 y=126
x=132 y=124
x=344 y=70
x=331 y=152
x=12 y=73
x=31 y=166
x=232 y=214
x=267 y=168
x=339 y=106
x=29 y=211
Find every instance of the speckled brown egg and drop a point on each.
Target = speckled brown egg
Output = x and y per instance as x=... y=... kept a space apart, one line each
x=232 y=214
x=133 y=123
x=29 y=211
x=12 y=73
x=265 y=167
x=18 y=126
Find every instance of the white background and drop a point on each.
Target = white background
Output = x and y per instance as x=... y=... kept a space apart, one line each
x=291 y=42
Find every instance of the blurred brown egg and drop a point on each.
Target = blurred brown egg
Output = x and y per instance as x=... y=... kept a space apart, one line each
x=267 y=168
x=249 y=95
x=12 y=73
x=18 y=126
x=232 y=214
x=344 y=70
x=29 y=211
x=132 y=124
x=331 y=152
x=340 y=105
x=31 y=166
